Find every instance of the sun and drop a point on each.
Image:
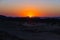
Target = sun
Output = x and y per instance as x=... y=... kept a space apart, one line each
x=30 y=14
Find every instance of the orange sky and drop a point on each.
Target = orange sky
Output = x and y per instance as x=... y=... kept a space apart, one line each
x=29 y=8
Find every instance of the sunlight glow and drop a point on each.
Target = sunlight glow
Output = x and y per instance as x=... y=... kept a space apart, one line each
x=30 y=14
x=29 y=11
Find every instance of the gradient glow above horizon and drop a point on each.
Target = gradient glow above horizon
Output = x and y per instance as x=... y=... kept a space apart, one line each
x=40 y=8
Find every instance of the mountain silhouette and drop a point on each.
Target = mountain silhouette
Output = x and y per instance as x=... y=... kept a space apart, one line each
x=23 y=27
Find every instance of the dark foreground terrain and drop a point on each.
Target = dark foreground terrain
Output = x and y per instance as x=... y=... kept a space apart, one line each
x=18 y=28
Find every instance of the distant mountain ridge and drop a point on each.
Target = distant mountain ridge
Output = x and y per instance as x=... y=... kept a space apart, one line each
x=30 y=28
x=26 y=22
x=31 y=19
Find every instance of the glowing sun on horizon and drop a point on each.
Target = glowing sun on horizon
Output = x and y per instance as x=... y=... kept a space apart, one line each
x=30 y=12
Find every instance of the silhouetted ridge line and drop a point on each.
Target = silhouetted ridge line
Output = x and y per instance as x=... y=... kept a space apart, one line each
x=27 y=19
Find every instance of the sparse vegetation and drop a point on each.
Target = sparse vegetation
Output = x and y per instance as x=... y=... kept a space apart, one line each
x=33 y=25
x=6 y=36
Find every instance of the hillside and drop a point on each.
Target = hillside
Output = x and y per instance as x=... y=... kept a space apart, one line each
x=31 y=28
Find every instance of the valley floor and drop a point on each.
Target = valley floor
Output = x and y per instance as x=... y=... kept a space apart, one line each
x=14 y=28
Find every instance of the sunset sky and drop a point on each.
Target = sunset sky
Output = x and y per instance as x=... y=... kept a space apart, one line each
x=40 y=8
